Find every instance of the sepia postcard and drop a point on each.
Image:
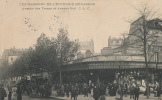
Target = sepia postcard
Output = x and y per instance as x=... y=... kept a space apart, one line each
x=81 y=49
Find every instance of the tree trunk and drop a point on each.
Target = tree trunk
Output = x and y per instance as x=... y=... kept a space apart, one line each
x=145 y=55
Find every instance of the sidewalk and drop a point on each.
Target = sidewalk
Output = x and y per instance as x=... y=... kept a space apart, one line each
x=81 y=97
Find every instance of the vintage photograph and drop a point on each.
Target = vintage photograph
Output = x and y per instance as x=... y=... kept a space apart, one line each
x=80 y=49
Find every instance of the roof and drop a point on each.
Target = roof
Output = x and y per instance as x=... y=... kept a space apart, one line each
x=13 y=52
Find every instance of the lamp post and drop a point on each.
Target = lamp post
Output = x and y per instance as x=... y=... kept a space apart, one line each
x=156 y=53
x=60 y=69
x=121 y=82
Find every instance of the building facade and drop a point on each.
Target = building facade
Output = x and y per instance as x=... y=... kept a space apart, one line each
x=86 y=48
x=114 y=46
x=114 y=42
x=122 y=61
x=152 y=30
x=10 y=55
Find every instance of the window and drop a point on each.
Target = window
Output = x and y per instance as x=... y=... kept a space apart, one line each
x=156 y=57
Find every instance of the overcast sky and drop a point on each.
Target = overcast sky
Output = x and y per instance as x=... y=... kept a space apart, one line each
x=20 y=28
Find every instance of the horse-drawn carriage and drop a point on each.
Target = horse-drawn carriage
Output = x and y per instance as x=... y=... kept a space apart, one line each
x=37 y=86
x=41 y=87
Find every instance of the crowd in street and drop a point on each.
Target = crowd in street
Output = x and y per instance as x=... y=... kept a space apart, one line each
x=97 y=90
x=13 y=93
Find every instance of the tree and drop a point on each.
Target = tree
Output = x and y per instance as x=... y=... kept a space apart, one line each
x=143 y=37
x=22 y=66
x=66 y=49
x=44 y=57
x=4 y=67
x=36 y=60
x=48 y=55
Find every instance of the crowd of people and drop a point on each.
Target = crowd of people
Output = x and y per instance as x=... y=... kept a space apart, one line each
x=73 y=90
x=98 y=91
x=12 y=92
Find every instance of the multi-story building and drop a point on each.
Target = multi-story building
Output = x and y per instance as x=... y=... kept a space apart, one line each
x=114 y=42
x=86 y=48
x=134 y=43
x=10 y=55
x=124 y=58
x=114 y=46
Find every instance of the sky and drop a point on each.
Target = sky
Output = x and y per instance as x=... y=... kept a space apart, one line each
x=20 y=27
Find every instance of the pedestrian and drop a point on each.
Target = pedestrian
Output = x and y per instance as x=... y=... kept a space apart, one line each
x=118 y=91
x=102 y=92
x=14 y=94
x=132 y=92
x=9 y=92
x=62 y=90
x=19 y=92
x=85 y=90
x=136 y=93
x=67 y=89
x=74 y=93
x=95 y=93
x=3 y=93
x=158 y=92
x=147 y=91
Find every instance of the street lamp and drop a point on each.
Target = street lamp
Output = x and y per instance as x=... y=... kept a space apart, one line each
x=121 y=82
x=60 y=61
x=156 y=51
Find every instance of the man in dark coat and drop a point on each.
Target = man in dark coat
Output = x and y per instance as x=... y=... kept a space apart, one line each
x=19 y=92
x=74 y=93
x=158 y=92
x=67 y=89
x=96 y=93
x=102 y=92
x=3 y=93
x=136 y=93
x=132 y=92
x=85 y=90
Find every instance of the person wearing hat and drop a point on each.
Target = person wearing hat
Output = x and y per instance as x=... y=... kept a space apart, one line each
x=95 y=92
x=136 y=92
x=3 y=93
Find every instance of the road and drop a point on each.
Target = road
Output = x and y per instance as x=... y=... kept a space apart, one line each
x=25 y=97
x=81 y=97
